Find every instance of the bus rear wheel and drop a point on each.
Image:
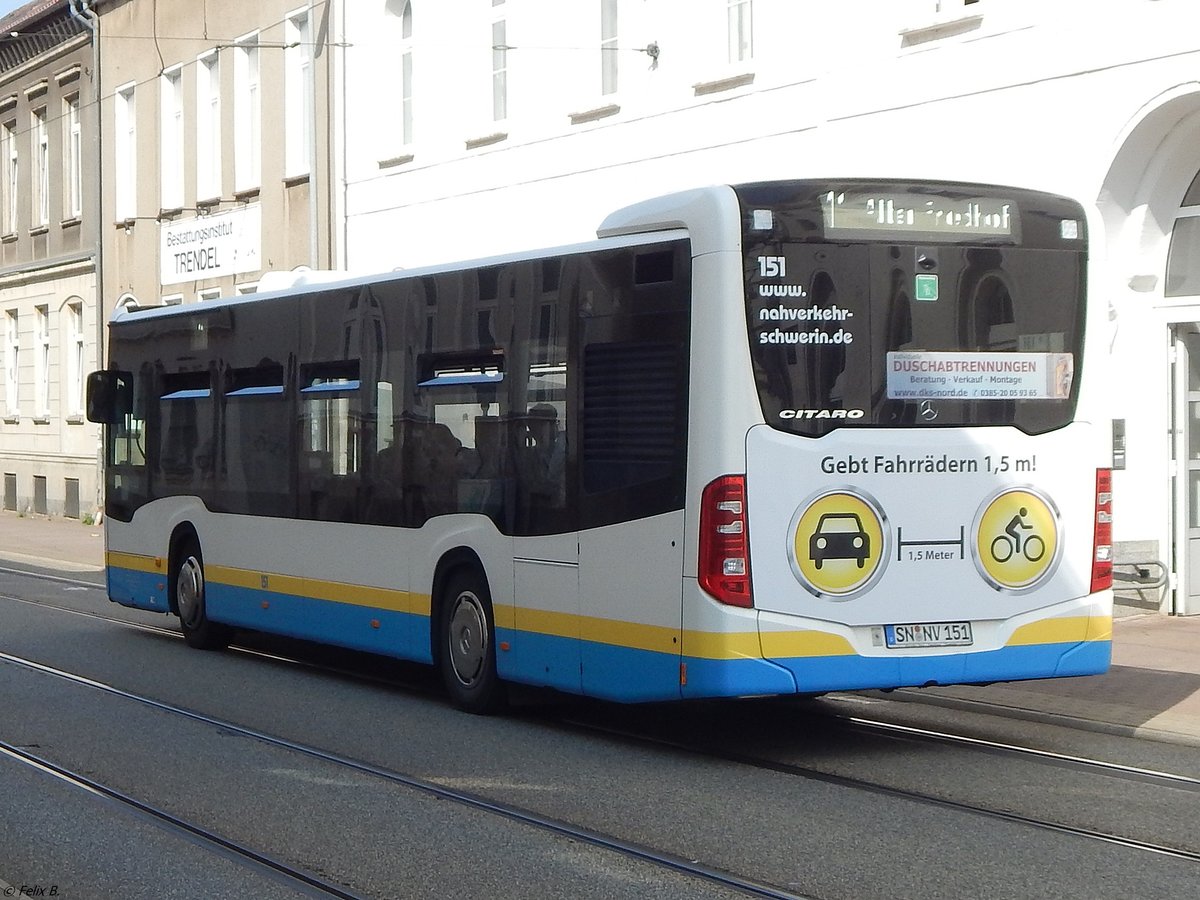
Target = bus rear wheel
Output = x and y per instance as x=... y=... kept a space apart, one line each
x=187 y=586
x=468 y=647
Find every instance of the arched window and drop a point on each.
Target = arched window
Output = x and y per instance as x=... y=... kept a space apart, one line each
x=1183 y=258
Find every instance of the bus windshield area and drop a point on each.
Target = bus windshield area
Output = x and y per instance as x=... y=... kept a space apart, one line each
x=865 y=315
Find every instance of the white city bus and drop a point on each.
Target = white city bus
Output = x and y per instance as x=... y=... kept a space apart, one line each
x=776 y=438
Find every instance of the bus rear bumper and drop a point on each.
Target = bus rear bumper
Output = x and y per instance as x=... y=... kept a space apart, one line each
x=840 y=673
x=1070 y=640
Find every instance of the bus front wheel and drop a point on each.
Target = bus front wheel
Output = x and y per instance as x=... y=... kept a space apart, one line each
x=187 y=585
x=467 y=659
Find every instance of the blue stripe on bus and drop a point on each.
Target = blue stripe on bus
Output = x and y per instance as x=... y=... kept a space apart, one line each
x=399 y=634
x=614 y=672
x=140 y=590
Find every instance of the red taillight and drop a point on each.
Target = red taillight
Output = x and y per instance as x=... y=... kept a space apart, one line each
x=1102 y=557
x=724 y=570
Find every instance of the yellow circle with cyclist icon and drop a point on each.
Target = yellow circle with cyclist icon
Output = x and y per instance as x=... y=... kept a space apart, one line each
x=838 y=543
x=1017 y=539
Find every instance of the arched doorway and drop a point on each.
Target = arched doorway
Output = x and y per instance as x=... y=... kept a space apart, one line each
x=1150 y=252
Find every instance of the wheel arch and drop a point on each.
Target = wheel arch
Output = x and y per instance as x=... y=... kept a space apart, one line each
x=179 y=534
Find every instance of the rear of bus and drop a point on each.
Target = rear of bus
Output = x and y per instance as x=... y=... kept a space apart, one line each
x=923 y=497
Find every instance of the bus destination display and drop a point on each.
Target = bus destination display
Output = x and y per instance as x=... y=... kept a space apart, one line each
x=869 y=213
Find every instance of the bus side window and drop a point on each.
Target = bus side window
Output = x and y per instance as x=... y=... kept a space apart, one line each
x=331 y=429
x=186 y=450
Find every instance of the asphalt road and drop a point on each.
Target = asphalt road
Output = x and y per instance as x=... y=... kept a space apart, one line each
x=756 y=789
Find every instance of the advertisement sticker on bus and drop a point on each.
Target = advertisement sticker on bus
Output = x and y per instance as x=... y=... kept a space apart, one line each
x=979 y=376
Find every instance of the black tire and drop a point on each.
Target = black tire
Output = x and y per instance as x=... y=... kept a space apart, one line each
x=467 y=644
x=187 y=594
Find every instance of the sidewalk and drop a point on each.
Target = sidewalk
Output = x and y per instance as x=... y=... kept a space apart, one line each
x=65 y=544
x=1152 y=691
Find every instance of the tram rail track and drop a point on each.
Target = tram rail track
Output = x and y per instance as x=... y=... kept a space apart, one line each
x=241 y=853
x=862 y=724
x=852 y=723
x=514 y=813
x=923 y=798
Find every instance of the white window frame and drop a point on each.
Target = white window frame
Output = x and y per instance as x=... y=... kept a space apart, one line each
x=298 y=95
x=499 y=44
x=41 y=173
x=739 y=31
x=125 y=154
x=12 y=364
x=247 y=114
x=12 y=175
x=172 y=300
x=41 y=363
x=206 y=295
x=76 y=363
x=610 y=68
x=171 y=138
x=208 y=126
x=406 y=75
x=72 y=157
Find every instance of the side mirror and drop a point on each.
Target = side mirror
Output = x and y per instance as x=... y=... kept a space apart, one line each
x=109 y=396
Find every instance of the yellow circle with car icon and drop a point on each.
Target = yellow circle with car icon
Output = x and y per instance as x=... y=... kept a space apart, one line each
x=1017 y=539
x=838 y=543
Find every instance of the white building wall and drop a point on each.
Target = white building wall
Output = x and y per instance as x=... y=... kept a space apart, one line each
x=1105 y=108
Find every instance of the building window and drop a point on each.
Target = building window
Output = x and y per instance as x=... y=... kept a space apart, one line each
x=11 y=176
x=75 y=362
x=740 y=30
x=171 y=139
x=41 y=369
x=396 y=131
x=608 y=47
x=298 y=96
x=1183 y=255
x=73 y=161
x=208 y=127
x=208 y=295
x=247 y=113
x=125 y=150
x=41 y=174
x=12 y=364
x=499 y=64
x=406 y=75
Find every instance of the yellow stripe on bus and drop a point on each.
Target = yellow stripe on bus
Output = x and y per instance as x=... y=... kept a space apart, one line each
x=315 y=589
x=657 y=638
x=792 y=644
x=654 y=638
x=136 y=562
x=1067 y=630
x=635 y=635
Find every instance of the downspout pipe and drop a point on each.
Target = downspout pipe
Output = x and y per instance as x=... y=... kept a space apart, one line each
x=83 y=12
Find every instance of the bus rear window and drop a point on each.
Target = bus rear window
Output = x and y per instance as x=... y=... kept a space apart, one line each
x=892 y=326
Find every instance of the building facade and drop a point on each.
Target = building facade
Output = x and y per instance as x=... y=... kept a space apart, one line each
x=235 y=141
x=214 y=146
x=517 y=123
x=48 y=244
